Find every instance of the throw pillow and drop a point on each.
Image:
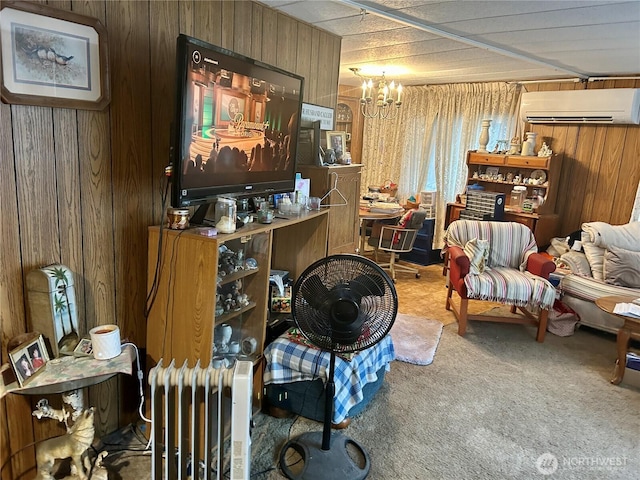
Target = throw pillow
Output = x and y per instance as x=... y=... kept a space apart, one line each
x=478 y=252
x=595 y=255
x=622 y=267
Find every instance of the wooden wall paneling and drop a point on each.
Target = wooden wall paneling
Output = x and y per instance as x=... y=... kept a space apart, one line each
x=312 y=85
x=186 y=16
x=269 y=37
x=208 y=21
x=164 y=27
x=325 y=84
x=628 y=177
x=608 y=173
x=593 y=171
x=227 y=30
x=131 y=160
x=21 y=434
x=36 y=190
x=65 y=126
x=12 y=308
x=12 y=304
x=286 y=45
x=242 y=23
x=304 y=56
x=257 y=19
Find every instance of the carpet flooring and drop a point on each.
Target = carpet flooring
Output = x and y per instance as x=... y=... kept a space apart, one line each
x=415 y=339
x=494 y=404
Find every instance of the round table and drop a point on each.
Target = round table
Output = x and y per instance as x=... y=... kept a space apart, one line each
x=631 y=326
x=364 y=214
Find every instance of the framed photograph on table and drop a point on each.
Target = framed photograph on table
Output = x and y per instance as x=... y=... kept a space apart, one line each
x=28 y=359
x=338 y=141
x=53 y=58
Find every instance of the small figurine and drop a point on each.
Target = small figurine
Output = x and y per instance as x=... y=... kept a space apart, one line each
x=72 y=444
x=544 y=151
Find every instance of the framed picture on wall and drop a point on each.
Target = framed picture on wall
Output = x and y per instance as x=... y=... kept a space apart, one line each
x=337 y=141
x=53 y=58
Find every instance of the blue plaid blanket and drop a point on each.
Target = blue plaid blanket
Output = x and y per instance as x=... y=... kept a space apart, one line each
x=287 y=361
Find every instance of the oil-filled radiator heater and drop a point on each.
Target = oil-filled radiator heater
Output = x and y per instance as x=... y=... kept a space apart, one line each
x=193 y=411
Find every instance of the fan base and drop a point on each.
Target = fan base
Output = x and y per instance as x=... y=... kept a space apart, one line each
x=318 y=464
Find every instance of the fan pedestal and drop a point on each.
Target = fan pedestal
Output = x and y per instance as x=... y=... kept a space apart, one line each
x=319 y=464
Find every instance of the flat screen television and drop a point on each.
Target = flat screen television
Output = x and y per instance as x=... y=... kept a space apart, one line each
x=236 y=126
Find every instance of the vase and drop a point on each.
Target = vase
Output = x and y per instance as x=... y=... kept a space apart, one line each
x=484 y=136
x=529 y=145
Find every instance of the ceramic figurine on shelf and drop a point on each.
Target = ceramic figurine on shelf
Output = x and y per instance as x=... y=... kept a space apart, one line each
x=514 y=146
x=544 y=151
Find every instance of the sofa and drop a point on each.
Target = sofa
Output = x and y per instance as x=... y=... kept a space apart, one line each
x=608 y=263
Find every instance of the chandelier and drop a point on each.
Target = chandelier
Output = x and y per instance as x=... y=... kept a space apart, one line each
x=379 y=102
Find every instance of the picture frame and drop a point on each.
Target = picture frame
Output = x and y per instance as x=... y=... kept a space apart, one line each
x=337 y=140
x=53 y=58
x=28 y=359
x=84 y=348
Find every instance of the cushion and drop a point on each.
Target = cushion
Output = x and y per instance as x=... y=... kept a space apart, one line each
x=622 y=267
x=577 y=262
x=478 y=252
x=598 y=236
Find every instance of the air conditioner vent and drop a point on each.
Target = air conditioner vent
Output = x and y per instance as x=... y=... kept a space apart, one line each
x=592 y=106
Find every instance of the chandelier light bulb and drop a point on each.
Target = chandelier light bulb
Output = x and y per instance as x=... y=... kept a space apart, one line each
x=385 y=95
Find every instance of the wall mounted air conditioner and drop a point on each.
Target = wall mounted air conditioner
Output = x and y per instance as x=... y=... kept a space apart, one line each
x=612 y=106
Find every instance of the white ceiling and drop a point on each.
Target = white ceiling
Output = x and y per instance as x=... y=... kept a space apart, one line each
x=420 y=42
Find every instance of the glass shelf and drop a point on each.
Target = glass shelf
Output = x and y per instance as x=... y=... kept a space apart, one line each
x=226 y=317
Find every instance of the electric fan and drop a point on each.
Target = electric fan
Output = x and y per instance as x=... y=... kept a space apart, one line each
x=341 y=304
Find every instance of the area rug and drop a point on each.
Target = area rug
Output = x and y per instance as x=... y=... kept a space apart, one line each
x=415 y=339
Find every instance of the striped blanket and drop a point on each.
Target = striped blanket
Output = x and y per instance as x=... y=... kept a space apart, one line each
x=505 y=279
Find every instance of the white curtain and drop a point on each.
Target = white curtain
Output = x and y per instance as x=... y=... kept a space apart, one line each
x=426 y=144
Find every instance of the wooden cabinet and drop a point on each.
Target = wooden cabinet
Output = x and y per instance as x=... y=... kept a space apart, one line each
x=543 y=221
x=344 y=202
x=182 y=320
x=349 y=120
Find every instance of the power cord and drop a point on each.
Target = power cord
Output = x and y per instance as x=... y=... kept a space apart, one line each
x=140 y=376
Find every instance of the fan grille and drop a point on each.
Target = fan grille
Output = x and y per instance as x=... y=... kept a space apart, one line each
x=344 y=280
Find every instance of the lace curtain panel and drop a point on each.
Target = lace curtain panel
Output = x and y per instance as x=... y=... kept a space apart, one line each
x=426 y=144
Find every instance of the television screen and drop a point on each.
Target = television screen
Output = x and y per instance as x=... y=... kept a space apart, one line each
x=237 y=123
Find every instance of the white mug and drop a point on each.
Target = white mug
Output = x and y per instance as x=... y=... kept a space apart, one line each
x=105 y=341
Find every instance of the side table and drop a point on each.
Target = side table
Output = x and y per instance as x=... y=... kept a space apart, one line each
x=631 y=327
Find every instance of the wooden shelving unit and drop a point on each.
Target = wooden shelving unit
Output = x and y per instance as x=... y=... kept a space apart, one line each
x=544 y=221
x=181 y=323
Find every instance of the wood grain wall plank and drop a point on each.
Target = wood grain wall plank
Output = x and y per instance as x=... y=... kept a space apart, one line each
x=227 y=26
x=242 y=23
x=257 y=19
x=314 y=69
x=269 y=34
x=594 y=165
x=65 y=127
x=12 y=294
x=186 y=17
x=208 y=21
x=304 y=56
x=608 y=172
x=164 y=28
x=286 y=48
x=37 y=196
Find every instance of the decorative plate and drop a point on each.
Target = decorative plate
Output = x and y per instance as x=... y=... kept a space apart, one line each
x=539 y=175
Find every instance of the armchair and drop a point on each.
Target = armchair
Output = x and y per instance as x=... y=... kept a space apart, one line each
x=498 y=262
